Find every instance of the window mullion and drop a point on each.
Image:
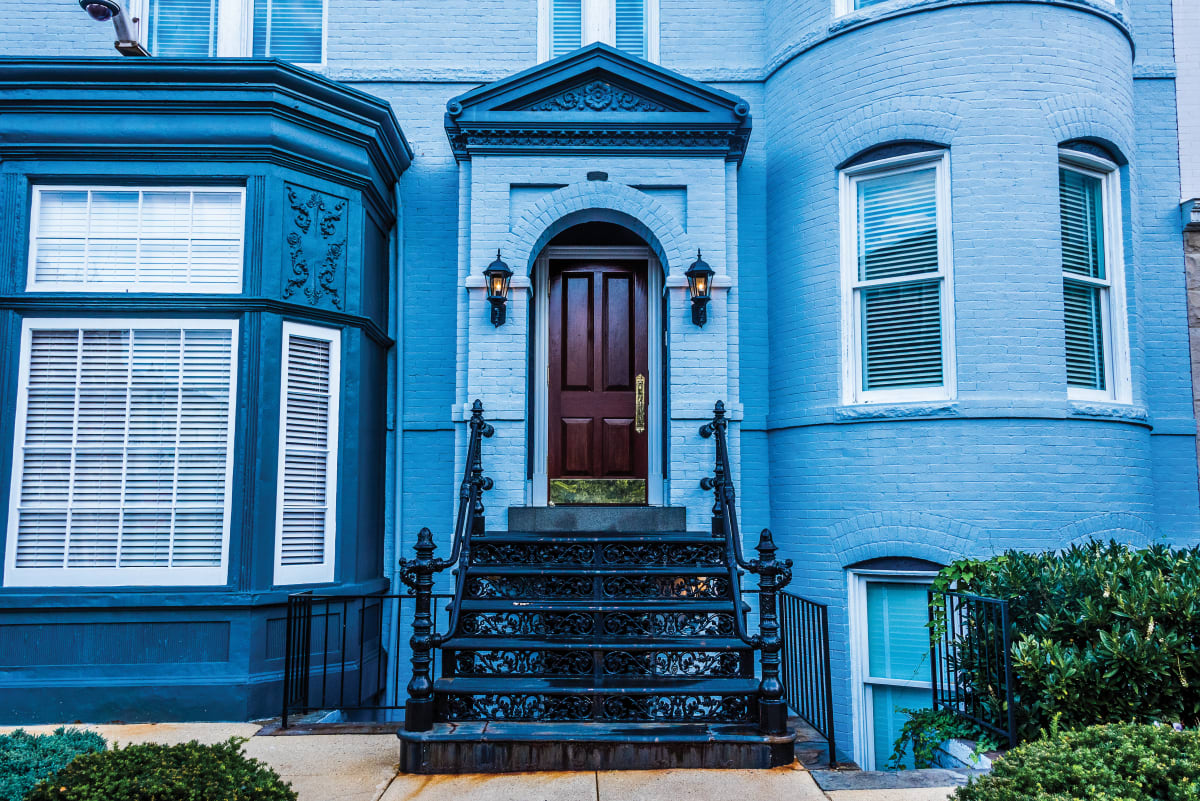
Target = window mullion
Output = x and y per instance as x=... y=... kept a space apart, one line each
x=232 y=36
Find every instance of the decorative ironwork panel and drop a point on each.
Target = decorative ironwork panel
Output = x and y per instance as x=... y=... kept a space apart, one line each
x=664 y=554
x=528 y=623
x=673 y=587
x=510 y=553
x=524 y=663
x=683 y=624
x=530 y=587
x=717 y=708
x=718 y=664
x=517 y=706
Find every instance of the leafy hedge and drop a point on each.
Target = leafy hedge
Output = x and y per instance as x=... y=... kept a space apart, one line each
x=153 y=772
x=26 y=759
x=1101 y=633
x=1126 y=762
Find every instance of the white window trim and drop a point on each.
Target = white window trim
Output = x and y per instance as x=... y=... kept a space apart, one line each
x=235 y=29
x=33 y=285
x=322 y=572
x=113 y=576
x=852 y=391
x=1114 y=311
x=861 y=693
x=599 y=25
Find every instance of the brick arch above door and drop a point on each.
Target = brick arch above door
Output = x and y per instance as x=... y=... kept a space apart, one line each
x=599 y=201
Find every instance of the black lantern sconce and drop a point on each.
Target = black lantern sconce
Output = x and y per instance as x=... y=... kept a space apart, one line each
x=498 y=275
x=699 y=277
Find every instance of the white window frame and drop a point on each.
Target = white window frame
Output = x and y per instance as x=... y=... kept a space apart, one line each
x=33 y=285
x=852 y=366
x=843 y=7
x=599 y=25
x=1113 y=306
x=235 y=29
x=113 y=576
x=862 y=699
x=323 y=572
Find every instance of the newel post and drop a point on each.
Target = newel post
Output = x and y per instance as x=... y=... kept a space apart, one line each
x=773 y=575
x=418 y=574
x=718 y=480
x=479 y=481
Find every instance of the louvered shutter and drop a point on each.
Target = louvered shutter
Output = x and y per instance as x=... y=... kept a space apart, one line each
x=566 y=26
x=901 y=334
x=183 y=28
x=631 y=27
x=1085 y=278
x=141 y=240
x=308 y=455
x=124 y=454
x=292 y=30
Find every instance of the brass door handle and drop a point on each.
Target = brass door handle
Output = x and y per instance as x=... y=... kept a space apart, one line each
x=639 y=404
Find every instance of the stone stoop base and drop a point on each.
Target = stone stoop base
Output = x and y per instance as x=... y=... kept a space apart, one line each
x=522 y=747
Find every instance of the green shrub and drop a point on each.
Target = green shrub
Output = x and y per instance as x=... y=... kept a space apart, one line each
x=1114 y=762
x=26 y=759
x=1101 y=633
x=926 y=729
x=153 y=772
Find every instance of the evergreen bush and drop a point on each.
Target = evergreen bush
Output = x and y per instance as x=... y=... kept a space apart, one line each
x=26 y=759
x=152 y=772
x=1101 y=633
x=1113 y=762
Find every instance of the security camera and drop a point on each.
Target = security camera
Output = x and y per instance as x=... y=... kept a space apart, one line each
x=105 y=10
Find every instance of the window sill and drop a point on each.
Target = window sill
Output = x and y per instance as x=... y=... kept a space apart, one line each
x=896 y=411
x=1108 y=409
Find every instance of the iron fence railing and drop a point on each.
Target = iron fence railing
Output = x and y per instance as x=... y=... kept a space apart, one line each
x=807 y=675
x=972 y=664
x=342 y=652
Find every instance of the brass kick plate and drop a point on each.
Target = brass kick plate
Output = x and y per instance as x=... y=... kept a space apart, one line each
x=617 y=491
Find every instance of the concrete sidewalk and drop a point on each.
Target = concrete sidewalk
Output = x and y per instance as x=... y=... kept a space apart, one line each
x=362 y=767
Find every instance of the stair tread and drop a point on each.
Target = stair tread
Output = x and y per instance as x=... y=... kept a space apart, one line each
x=591 y=644
x=714 y=571
x=625 y=685
x=586 y=605
x=567 y=537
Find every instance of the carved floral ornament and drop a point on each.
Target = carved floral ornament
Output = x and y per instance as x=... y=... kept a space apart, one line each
x=317 y=230
x=597 y=96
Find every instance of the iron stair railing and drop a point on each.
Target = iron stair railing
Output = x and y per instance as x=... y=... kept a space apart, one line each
x=418 y=575
x=773 y=576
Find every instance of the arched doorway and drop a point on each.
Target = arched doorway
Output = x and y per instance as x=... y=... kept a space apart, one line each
x=597 y=391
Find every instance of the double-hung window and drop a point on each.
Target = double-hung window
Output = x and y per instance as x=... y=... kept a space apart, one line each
x=1093 y=296
x=628 y=25
x=308 y=455
x=123 y=239
x=890 y=657
x=123 y=453
x=897 y=335
x=292 y=30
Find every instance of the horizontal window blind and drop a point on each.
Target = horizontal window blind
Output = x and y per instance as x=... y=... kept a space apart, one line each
x=631 y=27
x=898 y=293
x=1085 y=278
x=183 y=28
x=308 y=455
x=292 y=30
x=113 y=240
x=123 y=453
x=566 y=26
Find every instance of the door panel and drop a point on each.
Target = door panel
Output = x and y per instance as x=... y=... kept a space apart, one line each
x=597 y=344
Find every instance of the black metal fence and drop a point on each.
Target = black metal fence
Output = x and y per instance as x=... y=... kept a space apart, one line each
x=972 y=663
x=342 y=653
x=807 y=676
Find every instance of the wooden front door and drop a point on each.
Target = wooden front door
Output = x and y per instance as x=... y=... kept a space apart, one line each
x=598 y=382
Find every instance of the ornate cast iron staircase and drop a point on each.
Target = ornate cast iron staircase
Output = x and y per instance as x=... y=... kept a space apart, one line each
x=595 y=638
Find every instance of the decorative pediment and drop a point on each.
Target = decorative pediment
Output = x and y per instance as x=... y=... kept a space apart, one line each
x=598 y=100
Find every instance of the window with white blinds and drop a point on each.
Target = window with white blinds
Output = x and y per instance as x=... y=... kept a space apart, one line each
x=117 y=239
x=292 y=30
x=308 y=451
x=896 y=304
x=628 y=25
x=122 y=454
x=1091 y=263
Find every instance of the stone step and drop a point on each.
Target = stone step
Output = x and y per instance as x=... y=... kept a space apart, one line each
x=505 y=747
x=681 y=551
x=643 y=664
x=616 y=621
x=597 y=518
x=604 y=585
x=609 y=643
